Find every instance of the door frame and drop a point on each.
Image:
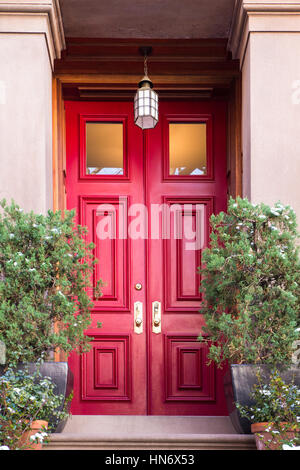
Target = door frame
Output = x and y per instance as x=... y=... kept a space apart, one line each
x=180 y=87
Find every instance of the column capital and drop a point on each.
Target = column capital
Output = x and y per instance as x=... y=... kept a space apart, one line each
x=38 y=17
x=261 y=16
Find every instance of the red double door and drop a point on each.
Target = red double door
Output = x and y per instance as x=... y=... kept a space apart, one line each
x=146 y=198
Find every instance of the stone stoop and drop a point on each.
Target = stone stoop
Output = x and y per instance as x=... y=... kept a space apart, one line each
x=149 y=433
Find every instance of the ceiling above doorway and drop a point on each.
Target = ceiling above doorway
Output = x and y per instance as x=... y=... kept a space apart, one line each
x=161 y=19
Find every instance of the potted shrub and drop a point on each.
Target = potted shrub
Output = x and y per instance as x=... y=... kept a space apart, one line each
x=275 y=412
x=251 y=286
x=45 y=281
x=28 y=402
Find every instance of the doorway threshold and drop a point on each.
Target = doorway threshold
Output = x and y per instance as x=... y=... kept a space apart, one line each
x=124 y=432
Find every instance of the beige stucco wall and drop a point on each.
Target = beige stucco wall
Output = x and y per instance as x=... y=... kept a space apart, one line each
x=265 y=37
x=31 y=37
x=25 y=121
x=271 y=119
x=275 y=118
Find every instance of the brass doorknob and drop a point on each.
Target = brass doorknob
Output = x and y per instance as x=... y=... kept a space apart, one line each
x=138 y=286
x=138 y=317
x=156 y=317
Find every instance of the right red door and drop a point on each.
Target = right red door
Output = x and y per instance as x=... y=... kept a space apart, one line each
x=185 y=182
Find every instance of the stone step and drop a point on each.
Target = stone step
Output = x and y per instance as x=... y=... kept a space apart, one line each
x=149 y=433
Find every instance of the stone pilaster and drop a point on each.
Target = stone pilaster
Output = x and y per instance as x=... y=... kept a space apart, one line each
x=31 y=37
x=265 y=37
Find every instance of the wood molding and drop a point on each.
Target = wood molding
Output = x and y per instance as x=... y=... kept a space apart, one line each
x=59 y=147
x=58 y=165
x=169 y=57
x=234 y=149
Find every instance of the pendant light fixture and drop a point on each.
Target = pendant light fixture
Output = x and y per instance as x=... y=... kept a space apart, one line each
x=146 y=100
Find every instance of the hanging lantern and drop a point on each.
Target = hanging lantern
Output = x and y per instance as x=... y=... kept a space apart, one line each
x=146 y=100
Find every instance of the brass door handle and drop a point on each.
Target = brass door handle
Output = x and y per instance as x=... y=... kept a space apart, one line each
x=156 y=317
x=138 y=317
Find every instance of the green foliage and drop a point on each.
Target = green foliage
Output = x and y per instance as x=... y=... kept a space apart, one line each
x=251 y=284
x=25 y=398
x=45 y=280
x=276 y=403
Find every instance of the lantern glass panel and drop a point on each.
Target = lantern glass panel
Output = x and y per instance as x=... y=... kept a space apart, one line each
x=145 y=108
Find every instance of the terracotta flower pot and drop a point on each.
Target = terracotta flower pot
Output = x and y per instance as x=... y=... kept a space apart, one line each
x=35 y=427
x=264 y=439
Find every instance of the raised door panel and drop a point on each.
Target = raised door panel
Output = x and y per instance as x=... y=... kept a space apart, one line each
x=188 y=378
x=103 y=215
x=105 y=369
x=188 y=235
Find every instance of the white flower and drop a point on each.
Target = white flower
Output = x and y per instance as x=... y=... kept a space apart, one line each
x=4 y=448
x=11 y=235
x=274 y=210
x=265 y=392
x=38 y=436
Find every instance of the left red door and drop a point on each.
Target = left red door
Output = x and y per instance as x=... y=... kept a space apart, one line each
x=112 y=377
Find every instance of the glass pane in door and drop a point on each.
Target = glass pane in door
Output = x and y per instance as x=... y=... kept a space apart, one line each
x=104 y=148
x=187 y=149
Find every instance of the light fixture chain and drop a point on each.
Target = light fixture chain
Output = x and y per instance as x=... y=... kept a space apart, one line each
x=145 y=65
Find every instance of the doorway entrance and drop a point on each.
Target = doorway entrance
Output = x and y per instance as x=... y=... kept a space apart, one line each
x=146 y=198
